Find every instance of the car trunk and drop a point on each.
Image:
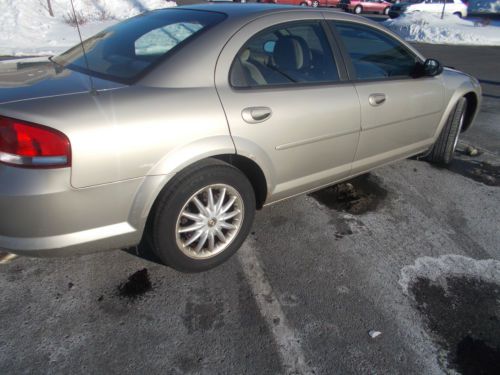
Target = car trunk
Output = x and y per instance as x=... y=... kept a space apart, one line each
x=32 y=78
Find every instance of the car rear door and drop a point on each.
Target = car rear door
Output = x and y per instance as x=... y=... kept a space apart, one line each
x=399 y=113
x=287 y=102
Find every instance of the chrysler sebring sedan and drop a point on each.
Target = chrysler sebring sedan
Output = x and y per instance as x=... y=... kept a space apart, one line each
x=176 y=125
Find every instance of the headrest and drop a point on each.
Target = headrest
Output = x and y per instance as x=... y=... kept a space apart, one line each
x=291 y=52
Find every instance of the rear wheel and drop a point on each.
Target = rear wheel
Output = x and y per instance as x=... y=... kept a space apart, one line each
x=458 y=14
x=315 y=3
x=443 y=149
x=386 y=11
x=358 y=9
x=203 y=217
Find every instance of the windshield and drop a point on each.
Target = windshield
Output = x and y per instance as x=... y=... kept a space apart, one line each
x=127 y=50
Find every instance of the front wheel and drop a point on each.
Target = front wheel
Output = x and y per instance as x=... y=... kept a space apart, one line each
x=203 y=217
x=443 y=149
x=386 y=11
x=303 y=4
x=358 y=9
x=315 y=4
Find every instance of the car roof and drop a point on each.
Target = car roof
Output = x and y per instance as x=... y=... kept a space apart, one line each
x=240 y=10
x=188 y=67
x=234 y=9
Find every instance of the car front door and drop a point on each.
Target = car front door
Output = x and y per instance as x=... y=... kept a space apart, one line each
x=287 y=103
x=399 y=113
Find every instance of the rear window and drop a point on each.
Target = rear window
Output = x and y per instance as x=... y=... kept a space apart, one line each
x=127 y=50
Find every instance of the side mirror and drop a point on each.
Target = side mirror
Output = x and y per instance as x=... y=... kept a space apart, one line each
x=432 y=68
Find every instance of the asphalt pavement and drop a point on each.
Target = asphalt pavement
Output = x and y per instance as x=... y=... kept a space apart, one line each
x=396 y=272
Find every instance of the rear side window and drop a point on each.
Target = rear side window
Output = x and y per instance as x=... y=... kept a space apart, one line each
x=287 y=54
x=128 y=49
x=374 y=54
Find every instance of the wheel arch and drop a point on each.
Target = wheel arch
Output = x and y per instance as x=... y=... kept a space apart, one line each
x=152 y=188
x=471 y=110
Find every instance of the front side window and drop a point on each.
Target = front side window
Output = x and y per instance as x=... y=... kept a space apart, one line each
x=294 y=53
x=374 y=54
x=126 y=50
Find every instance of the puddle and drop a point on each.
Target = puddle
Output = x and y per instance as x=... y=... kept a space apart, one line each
x=459 y=299
x=357 y=196
x=483 y=172
x=465 y=317
x=137 y=284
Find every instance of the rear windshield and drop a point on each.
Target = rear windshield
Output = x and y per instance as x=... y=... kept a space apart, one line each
x=127 y=50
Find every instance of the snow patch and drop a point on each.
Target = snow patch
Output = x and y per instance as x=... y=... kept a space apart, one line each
x=430 y=28
x=26 y=27
x=439 y=269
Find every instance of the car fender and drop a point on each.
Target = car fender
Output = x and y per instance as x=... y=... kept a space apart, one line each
x=457 y=85
x=254 y=152
x=171 y=163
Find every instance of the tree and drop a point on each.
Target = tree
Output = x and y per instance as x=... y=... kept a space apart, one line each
x=49 y=8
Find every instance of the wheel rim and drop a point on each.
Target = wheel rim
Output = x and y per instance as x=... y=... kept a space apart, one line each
x=315 y=4
x=209 y=221
x=357 y=10
x=455 y=142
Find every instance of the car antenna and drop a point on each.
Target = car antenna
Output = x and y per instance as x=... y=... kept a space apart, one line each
x=92 y=89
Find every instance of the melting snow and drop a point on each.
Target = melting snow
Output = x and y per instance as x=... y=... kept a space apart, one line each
x=430 y=28
x=26 y=28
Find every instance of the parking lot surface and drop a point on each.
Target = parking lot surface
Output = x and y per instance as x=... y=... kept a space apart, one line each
x=397 y=271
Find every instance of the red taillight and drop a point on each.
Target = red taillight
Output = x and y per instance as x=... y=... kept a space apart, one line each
x=29 y=145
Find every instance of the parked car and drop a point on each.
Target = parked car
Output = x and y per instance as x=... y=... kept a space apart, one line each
x=304 y=3
x=177 y=124
x=456 y=7
x=361 y=6
x=325 y=3
x=399 y=7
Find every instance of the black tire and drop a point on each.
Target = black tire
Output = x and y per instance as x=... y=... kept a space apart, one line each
x=458 y=14
x=443 y=149
x=173 y=199
x=358 y=9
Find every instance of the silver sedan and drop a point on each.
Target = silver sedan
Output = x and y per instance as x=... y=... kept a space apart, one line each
x=174 y=126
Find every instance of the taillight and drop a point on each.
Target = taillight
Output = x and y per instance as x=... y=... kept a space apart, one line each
x=34 y=146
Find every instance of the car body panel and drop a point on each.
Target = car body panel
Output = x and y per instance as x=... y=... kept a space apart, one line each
x=320 y=150
x=129 y=142
x=33 y=78
x=112 y=140
x=405 y=118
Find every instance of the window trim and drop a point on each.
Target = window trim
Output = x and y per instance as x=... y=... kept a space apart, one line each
x=330 y=43
x=347 y=58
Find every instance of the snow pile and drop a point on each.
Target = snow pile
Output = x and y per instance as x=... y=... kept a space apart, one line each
x=26 y=27
x=430 y=28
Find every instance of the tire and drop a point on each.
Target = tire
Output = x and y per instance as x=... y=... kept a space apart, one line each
x=315 y=4
x=458 y=14
x=358 y=9
x=442 y=151
x=178 y=217
x=386 y=11
x=303 y=4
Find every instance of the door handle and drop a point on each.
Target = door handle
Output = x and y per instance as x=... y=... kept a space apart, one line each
x=376 y=99
x=253 y=115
